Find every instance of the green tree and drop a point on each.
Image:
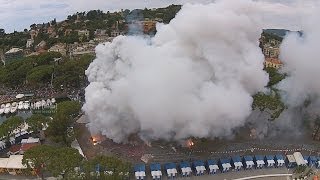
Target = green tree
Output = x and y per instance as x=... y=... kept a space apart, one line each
x=72 y=73
x=64 y=161
x=274 y=76
x=8 y=126
x=63 y=119
x=40 y=75
x=38 y=158
x=119 y=168
x=270 y=102
x=37 y=122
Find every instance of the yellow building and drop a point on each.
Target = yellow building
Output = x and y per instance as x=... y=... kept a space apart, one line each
x=273 y=63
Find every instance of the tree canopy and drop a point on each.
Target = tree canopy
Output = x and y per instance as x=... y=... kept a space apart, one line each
x=103 y=167
x=51 y=159
x=36 y=70
x=37 y=122
x=7 y=127
x=62 y=120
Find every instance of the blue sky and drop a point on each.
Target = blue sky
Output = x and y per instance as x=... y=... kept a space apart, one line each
x=20 y=14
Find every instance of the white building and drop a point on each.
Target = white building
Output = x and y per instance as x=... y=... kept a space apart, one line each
x=29 y=43
x=225 y=165
x=171 y=170
x=185 y=169
x=13 y=165
x=299 y=159
x=248 y=162
x=213 y=167
x=279 y=160
x=140 y=171
x=237 y=162
x=270 y=161
x=60 y=48
x=259 y=161
x=84 y=33
x=199 y=168
x=30 y=140
x=156 y=171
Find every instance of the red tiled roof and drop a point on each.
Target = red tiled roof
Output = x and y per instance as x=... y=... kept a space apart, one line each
x=15 y=148
x=25 y=147
x=273 y=60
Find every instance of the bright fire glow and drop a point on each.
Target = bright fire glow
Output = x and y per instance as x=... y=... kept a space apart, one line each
x=190 y=143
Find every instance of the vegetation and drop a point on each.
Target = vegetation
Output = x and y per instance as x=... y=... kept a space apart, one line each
x=72 y=72
x=274 y=76
x=271 y=102
x=103 y=167
x=8 y=126
x=32 y=71
x=37 y=71
x=37 y=122
x=51 y=159
x=62 y=120
x=70 y=164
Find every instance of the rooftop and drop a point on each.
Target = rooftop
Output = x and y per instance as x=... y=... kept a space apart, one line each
x=13 y=50
x=155 y=167
x=269 y=157
x=15 y=148
x=236 y=159
x=198 y=163
x=25 y=147
x=273 y=60
x=170 y=166
x=139 y=167
x=225 y=161
x=279 y=156
x=3 y=162
x=184 y=164
x=248 y=158
x=15 y=162
x=299 y=158
x=291 y=158
x=212 y=162
x=259 y=157
x=30 y=140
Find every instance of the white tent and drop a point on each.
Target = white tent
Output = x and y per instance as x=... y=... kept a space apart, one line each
x=280 y=162
x=270 y=163
x=19 y=96
x=260 y=163
x=186 y=171
x=299 y=159
x=213 y=168
x=156 y=174
x=200 y=169
x=238 y=165
x=226 y=166
x=249 y=164
x=140 y=174
x=3 y=163
x=172 y=172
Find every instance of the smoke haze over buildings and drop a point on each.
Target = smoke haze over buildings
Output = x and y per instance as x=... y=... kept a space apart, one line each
x=196 y=77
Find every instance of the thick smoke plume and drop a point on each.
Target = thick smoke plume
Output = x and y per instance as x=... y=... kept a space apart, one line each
x=300 y=54
x=196 y=77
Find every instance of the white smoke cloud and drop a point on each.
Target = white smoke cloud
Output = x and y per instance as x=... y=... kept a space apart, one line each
x=196 y=77
x=300 y=55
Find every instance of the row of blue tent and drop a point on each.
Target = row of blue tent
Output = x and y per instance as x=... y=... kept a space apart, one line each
x=199 y=167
